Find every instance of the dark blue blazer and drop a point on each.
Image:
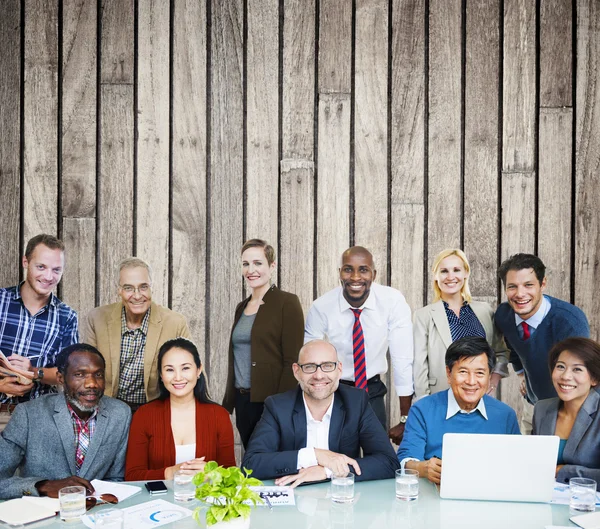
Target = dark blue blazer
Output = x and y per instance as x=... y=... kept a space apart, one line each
x=281 y=432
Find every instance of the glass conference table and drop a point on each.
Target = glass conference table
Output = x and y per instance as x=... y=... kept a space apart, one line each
x=375 y=507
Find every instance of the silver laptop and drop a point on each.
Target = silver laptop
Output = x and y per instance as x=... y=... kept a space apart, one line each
x=498 y=467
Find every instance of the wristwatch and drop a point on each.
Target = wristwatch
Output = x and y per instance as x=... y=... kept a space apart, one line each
x=403 y=419
x=39 y=375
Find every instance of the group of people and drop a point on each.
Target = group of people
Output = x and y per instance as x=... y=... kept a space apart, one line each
x=308 y=396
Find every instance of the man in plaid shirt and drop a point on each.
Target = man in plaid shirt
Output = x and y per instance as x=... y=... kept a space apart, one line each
x=34 y=324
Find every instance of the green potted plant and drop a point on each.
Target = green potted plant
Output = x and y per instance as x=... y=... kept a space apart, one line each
x=229 y=493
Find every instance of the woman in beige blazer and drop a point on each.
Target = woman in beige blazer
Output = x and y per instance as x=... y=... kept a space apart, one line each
x=453 y=311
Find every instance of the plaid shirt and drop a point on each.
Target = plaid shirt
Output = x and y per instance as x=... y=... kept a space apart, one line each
x=131 y=377
x=39 y=337
x=84 y=431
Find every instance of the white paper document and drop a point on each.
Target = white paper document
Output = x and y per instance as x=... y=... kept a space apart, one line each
x=120 y=490
x=561 y=495
x=275 y=496
x=587 y=521
x=20 y=511
x=147 y=515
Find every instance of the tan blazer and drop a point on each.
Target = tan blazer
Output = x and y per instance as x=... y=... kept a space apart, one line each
x=432 y=338
x=102 y=329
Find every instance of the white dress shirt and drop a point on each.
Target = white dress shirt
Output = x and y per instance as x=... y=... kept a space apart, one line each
x=386 y=323
x=317 y=436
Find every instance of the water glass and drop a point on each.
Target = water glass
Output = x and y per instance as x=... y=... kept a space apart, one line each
x=342 y=487
x=109 y=519
x=183 y=487
x=407 y=484
x=583 y=495
x=72 y=503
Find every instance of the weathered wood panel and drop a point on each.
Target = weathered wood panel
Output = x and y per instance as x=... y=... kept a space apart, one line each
x=587 y=165
x=152 y=184
x=556 y=59
x=333 y=180
x=518 y=131
x=79 y=71
x=40 y=106
x=481 y=146
x=370 y=132
x=116 y=42
x=10 y=121
x=554 y=224
x=225 y=184
x=444 y=130
x=80 y=269
x=298 y=144
x=189 y=166
x=262 y=131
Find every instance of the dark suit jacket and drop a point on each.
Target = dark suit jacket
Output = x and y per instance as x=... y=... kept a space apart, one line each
x=281 y=432
x=582 y=451
x=39 y=441
x=276 y=338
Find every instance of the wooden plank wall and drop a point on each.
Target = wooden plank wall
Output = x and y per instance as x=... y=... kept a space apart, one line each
x=175 y=130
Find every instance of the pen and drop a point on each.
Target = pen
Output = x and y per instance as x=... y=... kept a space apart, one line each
x=266 y=498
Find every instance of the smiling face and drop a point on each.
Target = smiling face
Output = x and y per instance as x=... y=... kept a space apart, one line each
x=83 y=382
x=44 y=269
x=179 y=373
x=135 y=290
x=571 y=378
x=318 y=386
x=524 y=292
x=451 y=276
x=357 y=273
x=256 y=269
x=469 y=380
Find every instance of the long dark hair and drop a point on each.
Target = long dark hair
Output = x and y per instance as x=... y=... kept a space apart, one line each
x=201 y=389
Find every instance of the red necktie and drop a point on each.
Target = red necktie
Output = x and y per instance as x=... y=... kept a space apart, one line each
x=358 y=348
x=526 y=333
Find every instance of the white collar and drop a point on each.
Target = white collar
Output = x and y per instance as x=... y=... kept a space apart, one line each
x=370 y=302
x=537 y=318
x=326 y=417
x=454 y=408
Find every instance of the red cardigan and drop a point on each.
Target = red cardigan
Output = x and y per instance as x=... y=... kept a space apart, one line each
x=151 y=447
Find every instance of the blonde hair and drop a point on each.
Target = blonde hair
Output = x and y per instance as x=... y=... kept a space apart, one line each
x=465 y=292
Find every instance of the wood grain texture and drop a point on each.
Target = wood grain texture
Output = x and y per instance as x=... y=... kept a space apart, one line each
x=518 y=213
x=587 y=167
x=79 y=236
x=556 y=60
x=481 y=145
x=518 y=91
x=115 y=207
x=117 y=46
x=152 y=189
x=10 y=163
x=226 y=172
x=370 y=132
x=189 y=166
x=444 y=179
x=79 y=108
x=297 y=214
x=554 y=225
x=298 y=94
x=40 y=106
x=335 y=46
x=262 y=131
x=333 y=188
x=408 y=149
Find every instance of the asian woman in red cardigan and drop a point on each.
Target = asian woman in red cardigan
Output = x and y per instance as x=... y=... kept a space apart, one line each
x=182 y=429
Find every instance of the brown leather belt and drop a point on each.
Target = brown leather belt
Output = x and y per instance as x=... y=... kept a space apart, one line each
x=7 y=408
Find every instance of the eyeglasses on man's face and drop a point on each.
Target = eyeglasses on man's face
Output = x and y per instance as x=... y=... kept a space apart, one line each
x=130 y=289
x=326 y=367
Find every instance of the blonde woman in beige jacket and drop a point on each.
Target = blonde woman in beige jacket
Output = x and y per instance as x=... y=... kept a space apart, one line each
x=452 y=315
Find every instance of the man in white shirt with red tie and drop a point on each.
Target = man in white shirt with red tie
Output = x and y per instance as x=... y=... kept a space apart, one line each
x=362 y=320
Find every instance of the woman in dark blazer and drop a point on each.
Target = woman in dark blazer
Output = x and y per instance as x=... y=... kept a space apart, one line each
x=573 y=416
x=267 y=333
x=452 y=315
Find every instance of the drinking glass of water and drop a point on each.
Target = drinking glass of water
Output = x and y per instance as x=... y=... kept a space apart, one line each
x=407 y=484
x=342 y=488
x=72 y=503
x=183 y=488
x=583 y=495
x=109 y=519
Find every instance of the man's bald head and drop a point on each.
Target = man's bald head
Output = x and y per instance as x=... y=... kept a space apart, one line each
x=318 y=346
x=319 y=359
x=358 y=250
x=356 y=275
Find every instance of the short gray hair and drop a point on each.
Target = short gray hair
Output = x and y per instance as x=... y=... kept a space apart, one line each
x=135 y=262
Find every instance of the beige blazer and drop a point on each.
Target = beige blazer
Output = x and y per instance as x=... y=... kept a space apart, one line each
x=432 y=338
x=102 y=329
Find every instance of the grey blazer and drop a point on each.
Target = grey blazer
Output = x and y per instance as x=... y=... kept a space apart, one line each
x=39 y=441
x=582 y=451
x=432 y=338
